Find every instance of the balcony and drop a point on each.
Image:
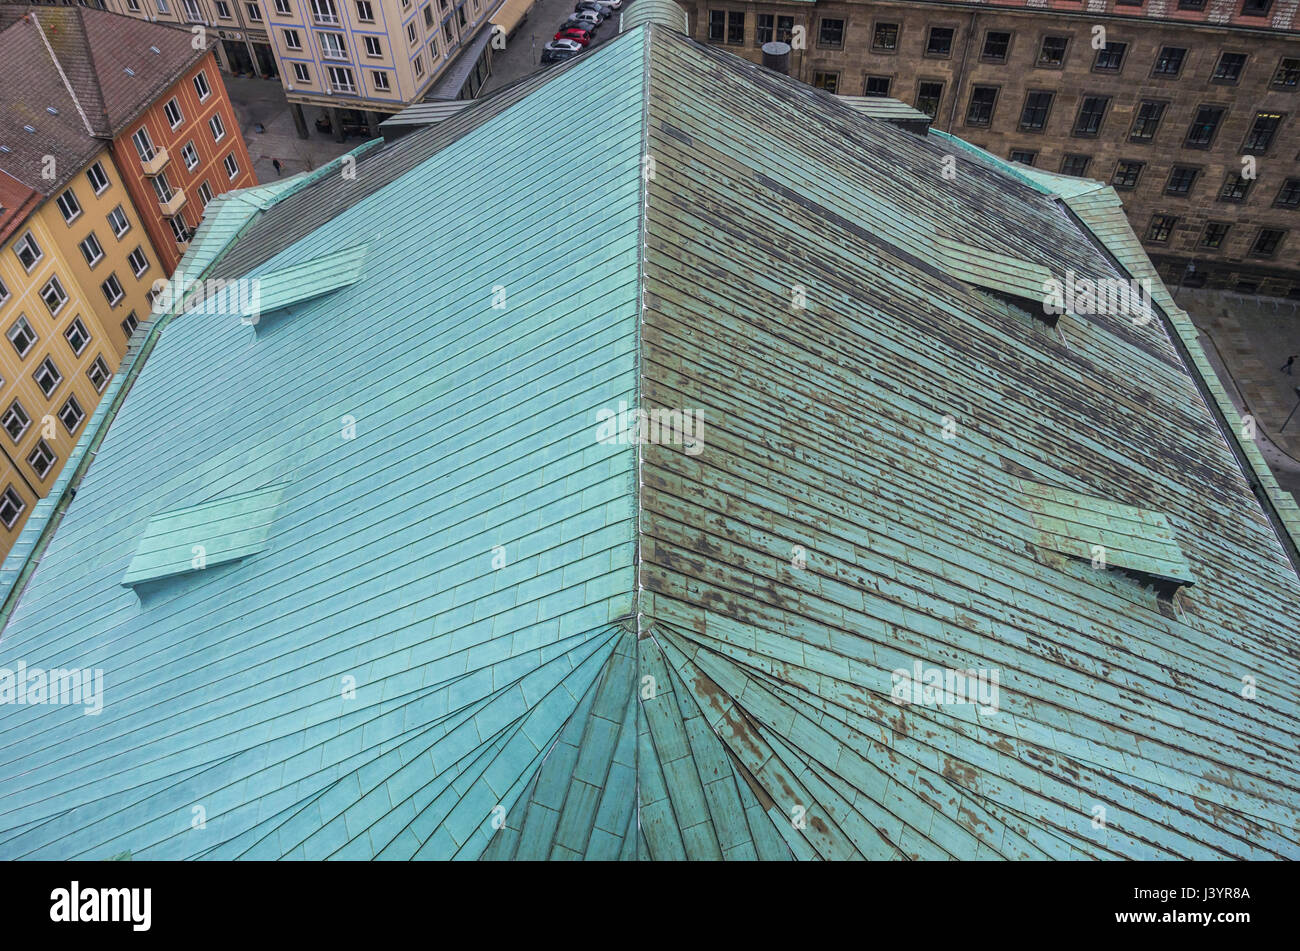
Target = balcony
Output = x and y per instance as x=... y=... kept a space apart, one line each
x=173 y=204
x=156 y=162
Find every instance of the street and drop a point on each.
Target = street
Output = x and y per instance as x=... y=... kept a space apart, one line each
x=523 y=51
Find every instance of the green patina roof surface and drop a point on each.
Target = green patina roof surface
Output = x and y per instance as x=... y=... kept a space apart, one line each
x=225 y=529
x=478 y=629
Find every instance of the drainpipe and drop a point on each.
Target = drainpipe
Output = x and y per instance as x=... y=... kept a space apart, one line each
x=961 y=72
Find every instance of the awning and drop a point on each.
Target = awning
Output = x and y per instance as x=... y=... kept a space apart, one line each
x=511 y=14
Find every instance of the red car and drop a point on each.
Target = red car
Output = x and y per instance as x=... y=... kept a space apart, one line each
x=578 y=35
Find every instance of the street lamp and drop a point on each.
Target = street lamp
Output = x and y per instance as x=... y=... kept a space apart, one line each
x=1292 y=413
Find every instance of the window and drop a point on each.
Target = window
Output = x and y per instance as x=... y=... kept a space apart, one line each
x=71 y=415
x=365 y=12
x=4 y=292
x=884 y=38
x=201 y=86
x=133 y=5
x=1126 y=174
x=162 y=188
x=68 y=206
x=98 y=180
x=1033 y=117
x=1147 y=121
x=980 y=109
x=1074 y=164
x=11 y=506
x=1191 y=4
x=341 y=77
x=28 y=251
x=54 y=296
x=292 y=40
x=143 y=144
x=877 y=86
x=380 y=80
x=373 y=47
x=98 y=373
x=765 y=32
x=1228 y=68
x=1052 y=52
x=205 y=193
x=173 y=113
x=1170 y=61
x=1214 y=234
x=112 y=289
x=301 y=73
x=450 y=37
x=117 y=222
x=254 y=12
x=996 y=45
x=928 y=95
x=139 y=263
x=1161 y=227
x=1287 y=74
x=22 y=336
x=15 y=421
x=411 y=34
x=47 y=377
x=1091 y=112
x=1181 y=179
x=1267 y=241
x=217 y=127
x=939 y=42
x=324 y=11
x=1262 y=131
x=1235 y=188
x=717 y=25
x=162 y=7
x=1203 y=127
x=91 y=250
x=1110 y=58
x=180 y=230
x=331 y=44
x=830 y=33
x=41 y=459
x=282 y=7
x=1255 y=8
x=828 y=81
x=1023 y=156
x=77 y=336
x=735 y=27
x=1288 y=196
x=129 y=324
x=418 y=63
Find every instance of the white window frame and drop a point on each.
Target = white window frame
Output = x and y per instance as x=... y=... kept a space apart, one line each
x=28 y=242
x=217 y=128
x=99 y=256
x=16 y=410
x=55 y=285
x=98 y=364
x=143 y=143
x=188 y=152
x=22 y=327
x=231 y=166
x=144 y=261
x=348 y=87
x=380 y=79
x=43 y=451
x=58 y=377
x=11 y=499
x=126 y=222
x=68 y=200
x=301 y=74
x=173 y=105
x=113 y=301
x=90 y=177
x=80 y=330
x=201 y=86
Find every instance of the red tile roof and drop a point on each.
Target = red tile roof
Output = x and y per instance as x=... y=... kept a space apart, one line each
x=65 y=89
x=17 y=201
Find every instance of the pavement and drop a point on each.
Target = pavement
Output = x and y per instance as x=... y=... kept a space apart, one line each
x=1247 y=339
x=523 y=51
x=262 y=101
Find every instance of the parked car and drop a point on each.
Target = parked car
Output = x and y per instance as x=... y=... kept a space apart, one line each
x=590 y=6
x=591 y=26
x=607 y=4
x=577 y=34
x=586 y=16
x=557 y=51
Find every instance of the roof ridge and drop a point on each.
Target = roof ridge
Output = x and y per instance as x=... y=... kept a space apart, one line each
x=72 y=93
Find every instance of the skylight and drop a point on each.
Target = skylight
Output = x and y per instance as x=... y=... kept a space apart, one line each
x=1109 y=535
x=301 y=282
x=205 y=535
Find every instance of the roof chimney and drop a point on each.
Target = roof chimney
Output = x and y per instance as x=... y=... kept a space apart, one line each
x=776 y=57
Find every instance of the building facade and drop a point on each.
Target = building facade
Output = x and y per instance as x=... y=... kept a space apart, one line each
x=75 y=276
x=104 y=171
x=183 y=149
x=1188 y=108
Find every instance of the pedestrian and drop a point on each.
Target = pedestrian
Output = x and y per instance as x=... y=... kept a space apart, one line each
x=1290 y=362
x=276 y=163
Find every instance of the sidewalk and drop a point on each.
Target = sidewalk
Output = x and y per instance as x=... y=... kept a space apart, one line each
x=1247 y=340
x=262 y=101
